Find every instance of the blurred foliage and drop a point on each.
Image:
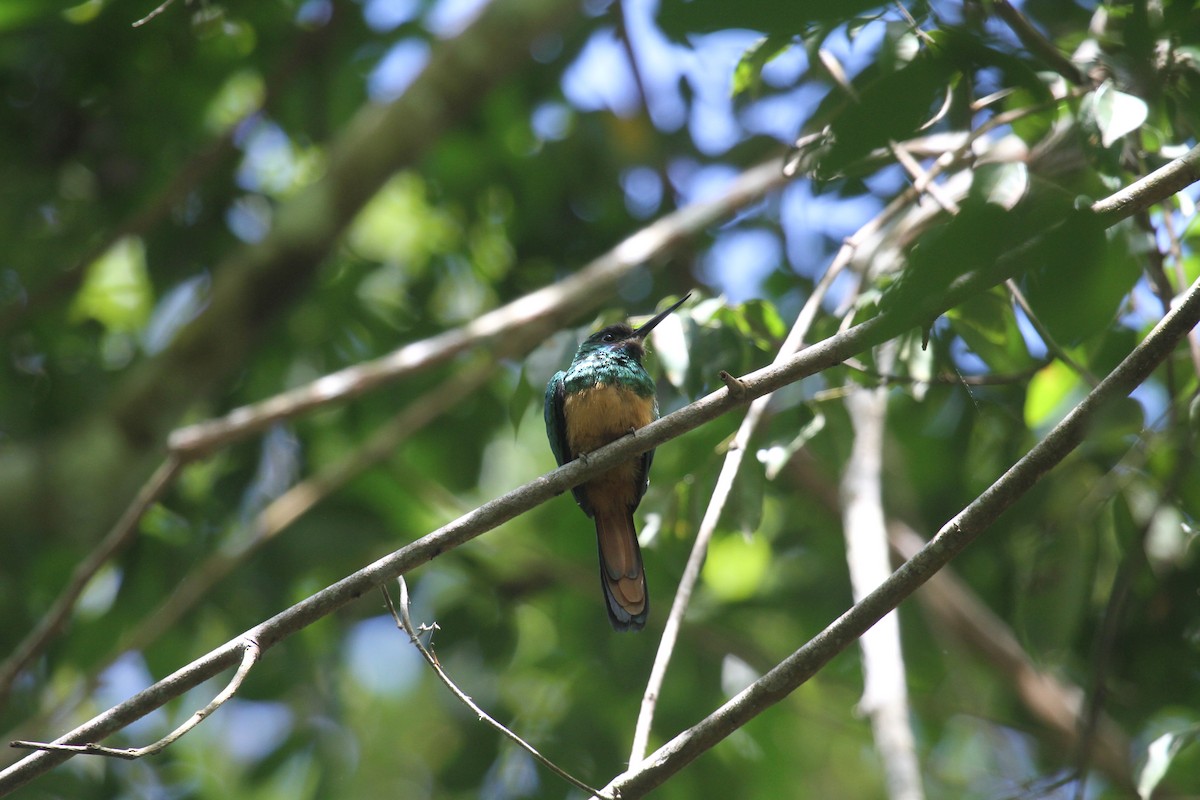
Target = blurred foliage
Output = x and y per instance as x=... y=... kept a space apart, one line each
x=137 y=159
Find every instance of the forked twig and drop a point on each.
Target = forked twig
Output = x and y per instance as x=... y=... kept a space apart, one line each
x=250 y=654
x=405 y=623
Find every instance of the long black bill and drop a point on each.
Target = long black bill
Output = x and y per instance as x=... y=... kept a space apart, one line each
x=641 y=332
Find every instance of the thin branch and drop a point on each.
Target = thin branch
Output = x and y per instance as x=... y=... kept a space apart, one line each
x=958 y=611
x=553 y=305
x=1152 y=189
x=56 y=617
x=987 y=379
x=885 y=691
x=160 y=9
x=1037 y=44
x=1052 y=345
x=250 y=655
x=1175 y=249
x=630 y=53
x=801 y=664
x=404 y=623
x=725 y=480
x=959 y=532
x=284 y=510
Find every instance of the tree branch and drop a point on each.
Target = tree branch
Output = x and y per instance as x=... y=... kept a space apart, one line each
x=1038 y=44
x=885 y=690
x=551 y=305
x=56 y=617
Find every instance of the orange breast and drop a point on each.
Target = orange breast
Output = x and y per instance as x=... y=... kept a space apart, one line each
x=602 y=413
x=597 y=416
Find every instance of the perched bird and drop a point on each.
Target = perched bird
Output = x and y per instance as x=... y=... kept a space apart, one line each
x=605 y=394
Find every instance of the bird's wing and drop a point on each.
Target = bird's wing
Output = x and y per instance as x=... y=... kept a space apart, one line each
x=647 y=457
x=556 y=421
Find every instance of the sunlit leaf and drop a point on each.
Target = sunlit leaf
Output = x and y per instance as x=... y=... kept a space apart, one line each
x=1048 y=390
x=1115 y=112
x=1159 y=755
x=747 y=75
x=736 y=566
x=117 y=292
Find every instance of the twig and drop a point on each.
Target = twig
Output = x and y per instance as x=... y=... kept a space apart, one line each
x=986 y=379
x=56 y=617
x=630 y=53
x=404 y=623
x=250 y=654
x=1052 y=345
x=160 y=9
x=1038 y=44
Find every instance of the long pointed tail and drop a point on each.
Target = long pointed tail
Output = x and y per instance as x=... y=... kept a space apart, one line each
x=621 y=573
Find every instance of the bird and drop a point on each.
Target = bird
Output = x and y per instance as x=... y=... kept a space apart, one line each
x=605 y=394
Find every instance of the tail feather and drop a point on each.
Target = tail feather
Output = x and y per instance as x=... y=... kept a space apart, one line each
x=621 y=573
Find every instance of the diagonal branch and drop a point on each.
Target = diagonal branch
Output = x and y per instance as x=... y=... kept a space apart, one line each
x=56 y=617
x=551 y=305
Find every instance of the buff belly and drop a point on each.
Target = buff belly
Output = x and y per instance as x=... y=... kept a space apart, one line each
x=597 y=416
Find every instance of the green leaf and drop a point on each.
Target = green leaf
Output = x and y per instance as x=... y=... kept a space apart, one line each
x=1003 y=184
x=1048 y=390
x=1080 y=280
x=117 y=291
x=775 y=457
x=747 y=75
x=987 y=326
x=1159 y=755
x=735 y=566
x=1114 y=112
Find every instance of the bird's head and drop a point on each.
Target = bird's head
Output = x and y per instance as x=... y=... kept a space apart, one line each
x=624 y=337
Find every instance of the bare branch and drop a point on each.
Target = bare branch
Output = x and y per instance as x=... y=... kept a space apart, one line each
x=1038 y=44
x=885 y=690
x=404 y=623
x=553 y=305
x=56 y=617
x=250 y=654
x=1152 y=189
x=158 y=10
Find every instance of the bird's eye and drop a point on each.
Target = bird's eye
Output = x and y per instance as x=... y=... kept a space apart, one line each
x=608 y=337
